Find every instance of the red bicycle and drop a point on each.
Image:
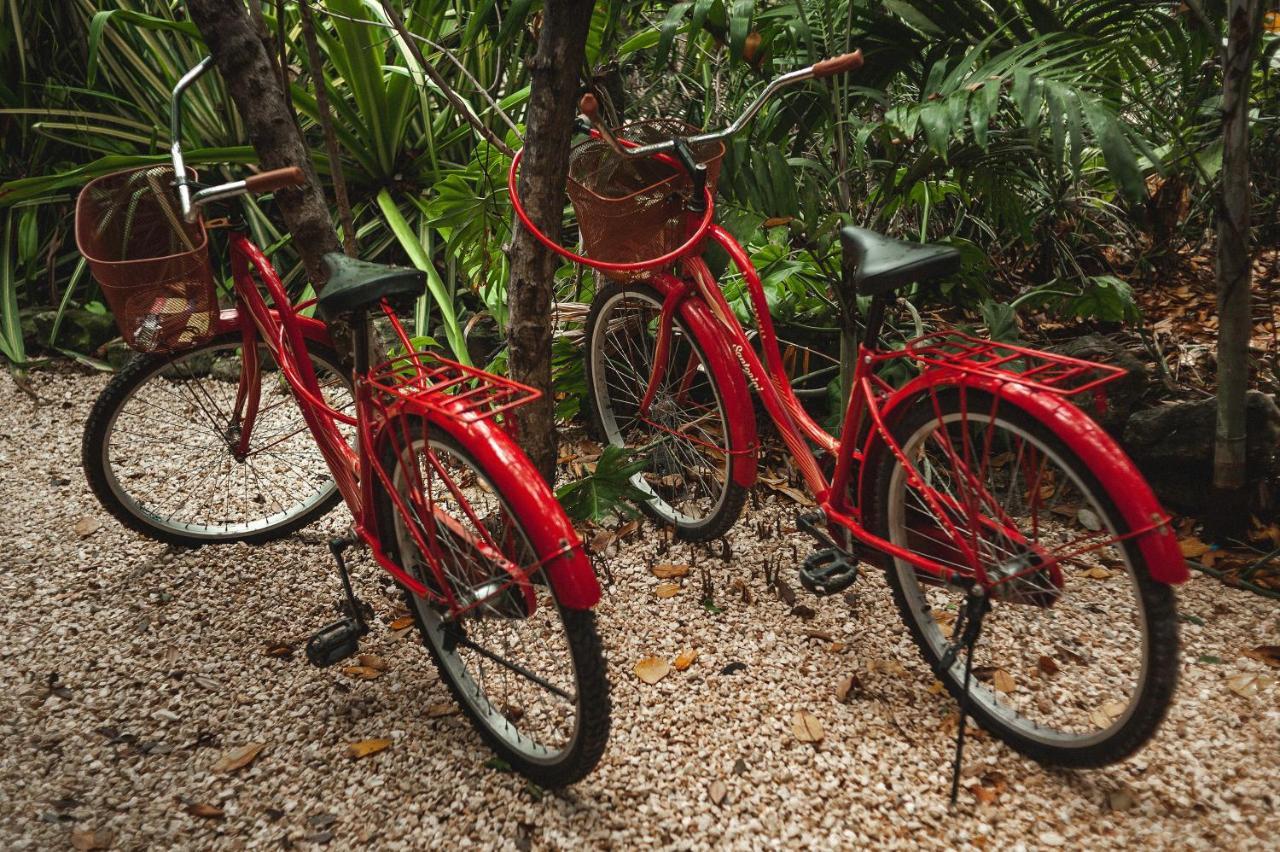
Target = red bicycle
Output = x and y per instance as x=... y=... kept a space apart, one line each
x=1026 y=554
x=244 y=424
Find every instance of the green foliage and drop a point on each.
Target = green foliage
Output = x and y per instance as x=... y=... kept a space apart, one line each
x=605 y=491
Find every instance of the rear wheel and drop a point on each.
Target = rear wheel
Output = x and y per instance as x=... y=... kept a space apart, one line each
x=528 y=672
x=1077 y=660
x=159 y=447
x=686 y=436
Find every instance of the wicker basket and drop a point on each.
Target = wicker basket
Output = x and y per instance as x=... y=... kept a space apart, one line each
x=152 y=266
x=633 y=210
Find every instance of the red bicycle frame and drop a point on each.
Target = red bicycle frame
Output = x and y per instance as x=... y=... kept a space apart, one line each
x=462 y=402
x=1041 y=390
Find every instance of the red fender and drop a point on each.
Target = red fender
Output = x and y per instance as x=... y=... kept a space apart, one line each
x=553 y=538
x=729 y=372
x=1113 y=467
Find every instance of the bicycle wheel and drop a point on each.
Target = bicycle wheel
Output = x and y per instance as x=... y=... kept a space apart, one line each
x=158 y=447
x=528 y=673
x=1077 y=659
x=686 y=435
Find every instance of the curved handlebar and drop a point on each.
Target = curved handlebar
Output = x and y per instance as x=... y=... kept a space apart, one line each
x=590 y=108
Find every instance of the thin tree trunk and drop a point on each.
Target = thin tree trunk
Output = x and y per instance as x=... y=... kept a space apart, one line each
x=553 y=98
x=1233 y=261
x=250 y=76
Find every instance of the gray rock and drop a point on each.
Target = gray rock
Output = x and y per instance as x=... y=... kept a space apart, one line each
x=1173 y=445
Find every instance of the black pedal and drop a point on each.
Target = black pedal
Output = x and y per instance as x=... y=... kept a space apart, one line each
x=335 y=642
x=828 y=571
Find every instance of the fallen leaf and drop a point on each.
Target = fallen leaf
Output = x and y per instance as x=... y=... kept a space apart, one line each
x=1120 y=800
x=1047 y=665
x=652 y=669
x=985 y=795
x=90 y=839
x=1210 y=557
x=1115 y=709
x=819 y=634
x=238 y=758
x=847 y=687
x=601 y=541
x=1269 y=654
x=685 y=660
x=628 y=528
x=362 y=672
x=200 y=809
x=1003 y=681
x=435 y=711
x=794 y=493
x=404 y=622
x=1249 y=684
x=785 y=592
x=1192 y=547
x=892 y=667
x=836 y=647
x=1089 y=520
x=373 y=661
x=936 y=688
x=803 y=611
x=364 y=748
x=667 y=590
x=806 y=727
x=1099 y=719
x=87 y=526
x=1097 y=572
x=279 y=650
x=667 y=571
x=717 y=791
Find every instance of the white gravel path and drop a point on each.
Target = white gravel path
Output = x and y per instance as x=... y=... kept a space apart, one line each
x=129 y=670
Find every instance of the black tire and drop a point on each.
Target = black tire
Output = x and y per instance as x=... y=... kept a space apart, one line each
x=576 y=760
x=129 y=509
x=1159 y=669
x=728 y=502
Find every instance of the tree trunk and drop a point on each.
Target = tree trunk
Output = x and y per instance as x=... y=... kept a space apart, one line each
x=553 y=98
x=1233 y=261
x=242 y=59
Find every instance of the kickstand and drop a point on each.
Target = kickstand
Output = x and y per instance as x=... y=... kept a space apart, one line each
x=968 y=626
x=355 y=606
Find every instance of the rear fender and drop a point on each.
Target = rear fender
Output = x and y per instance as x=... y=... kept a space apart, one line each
x=1114 y=469
x=732 y=382
x=553 y=538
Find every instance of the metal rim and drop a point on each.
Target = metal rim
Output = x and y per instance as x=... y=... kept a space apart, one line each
x=609 y=419
x=195 y=528
x=436 y=625
x=916 y=596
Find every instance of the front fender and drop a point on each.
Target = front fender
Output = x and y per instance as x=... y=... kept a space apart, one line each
x=529 y=497
x=1116 y=472
x=730 y=378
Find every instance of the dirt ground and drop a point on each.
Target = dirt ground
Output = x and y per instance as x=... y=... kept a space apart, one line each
x=130 y=668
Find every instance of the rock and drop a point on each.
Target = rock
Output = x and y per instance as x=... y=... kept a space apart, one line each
x=1173 y=446
x=1124 y=395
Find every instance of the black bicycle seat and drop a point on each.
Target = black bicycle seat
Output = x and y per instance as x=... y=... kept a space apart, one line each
x=355 y=284
x=883 y=264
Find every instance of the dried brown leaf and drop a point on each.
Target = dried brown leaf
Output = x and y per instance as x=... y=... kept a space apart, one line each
x=667 y=571
x=667 y=590
x=364 y=748
x=685 y=660
x=717 y=791
x=1003 y=681
x=1047 y=665
x=238 y=758
x=87 y=839
x=435 y=711
x=1269 y=654
x=402 y=623
x=652 y=669
x=200 y=809
x=362 y=672
x=806 y=727
x=1193 y=547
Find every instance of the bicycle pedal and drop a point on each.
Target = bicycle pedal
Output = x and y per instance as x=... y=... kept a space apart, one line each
x=828 y=571
x=335 y=642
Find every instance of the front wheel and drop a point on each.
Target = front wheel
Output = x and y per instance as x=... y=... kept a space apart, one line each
x=528 y=671
x=686 y=435
x=1077 y=659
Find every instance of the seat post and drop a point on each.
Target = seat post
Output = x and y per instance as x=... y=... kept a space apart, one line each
x=875 y=320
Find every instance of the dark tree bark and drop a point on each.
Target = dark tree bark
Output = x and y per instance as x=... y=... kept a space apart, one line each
x=1234 y=265
x=553 y=98
x=250 y=75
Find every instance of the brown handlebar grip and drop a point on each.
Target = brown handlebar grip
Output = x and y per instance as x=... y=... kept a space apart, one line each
x=275 y=179
x=838 y=65
x=590 y=106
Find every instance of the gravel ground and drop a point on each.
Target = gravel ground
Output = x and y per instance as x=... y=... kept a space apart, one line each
x=130 y=669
